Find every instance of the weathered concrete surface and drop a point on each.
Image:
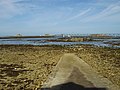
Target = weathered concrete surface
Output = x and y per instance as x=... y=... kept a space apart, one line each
x=72 y=69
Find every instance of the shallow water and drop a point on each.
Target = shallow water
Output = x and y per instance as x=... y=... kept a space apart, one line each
x=42 y=41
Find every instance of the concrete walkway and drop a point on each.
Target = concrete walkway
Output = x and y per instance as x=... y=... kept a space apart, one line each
x=72 y=69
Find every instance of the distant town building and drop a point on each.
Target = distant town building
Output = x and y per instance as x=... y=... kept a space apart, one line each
x=18 y=35
x=98 y=35
x=68 y=36
x=79 y=39
x=63 y=35
x=48 y=35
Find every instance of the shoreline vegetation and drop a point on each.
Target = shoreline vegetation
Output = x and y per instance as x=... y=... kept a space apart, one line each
x=28 y=66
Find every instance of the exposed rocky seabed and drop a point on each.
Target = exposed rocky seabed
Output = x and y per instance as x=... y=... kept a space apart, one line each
x=28 y=67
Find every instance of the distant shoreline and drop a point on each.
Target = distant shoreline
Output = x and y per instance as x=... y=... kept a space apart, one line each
x=10 y=37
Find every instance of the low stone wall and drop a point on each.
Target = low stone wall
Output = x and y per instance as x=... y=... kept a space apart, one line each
x=105 y=61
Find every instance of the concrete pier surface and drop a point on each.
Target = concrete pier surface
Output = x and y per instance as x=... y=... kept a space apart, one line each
x=72 y=73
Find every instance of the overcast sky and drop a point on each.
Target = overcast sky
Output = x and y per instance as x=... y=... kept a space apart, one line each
x=35 y=17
